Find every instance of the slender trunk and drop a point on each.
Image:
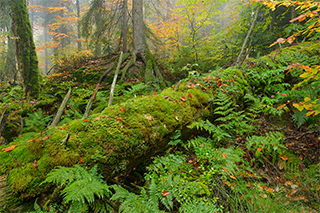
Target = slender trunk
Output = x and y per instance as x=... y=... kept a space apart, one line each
x=138 y=30
x=273 y=19
x=46 y=61
x=125 y=26
x=247 y=37
x=25 y=47
x=78 y=16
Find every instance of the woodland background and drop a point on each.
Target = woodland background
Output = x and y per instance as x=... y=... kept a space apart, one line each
x=159 y=106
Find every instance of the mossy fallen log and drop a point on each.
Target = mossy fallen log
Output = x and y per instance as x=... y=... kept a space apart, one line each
x=117 y=139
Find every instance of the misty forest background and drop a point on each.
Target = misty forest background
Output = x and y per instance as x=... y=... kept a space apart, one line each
x=159 y=106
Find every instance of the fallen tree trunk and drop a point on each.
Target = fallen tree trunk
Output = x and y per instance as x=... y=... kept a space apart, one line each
x=118 y=139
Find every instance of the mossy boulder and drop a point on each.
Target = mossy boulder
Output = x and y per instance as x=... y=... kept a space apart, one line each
x=118 y=138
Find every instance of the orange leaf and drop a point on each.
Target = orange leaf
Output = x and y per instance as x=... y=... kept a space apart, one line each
x=60 y=127
x=279 y=107
x=224 y=169
x=233 y=177
x=165 y=193
x=270 y=190
x=259 y=149
x=9 y=149
x=45 y=137
x=183 y=98
x=86 y=120
x=119 y=119
x=80 y=159
x=224 y=155
x=98 y=118
x=283 y=157
x=190 y=95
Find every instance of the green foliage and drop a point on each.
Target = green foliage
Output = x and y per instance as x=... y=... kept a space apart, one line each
x=269 y=145
x=81 y=187
x=37 y=121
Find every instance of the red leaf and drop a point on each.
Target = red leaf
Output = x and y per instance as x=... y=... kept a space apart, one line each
x=165 y=193
x=183 y=98
x=9 y=149
x=224 y=155
x=259 y=149
x=283 y=105
x=86 y=120
x=302 y=167
x=80 y=159
x=34 y=163
x=294 y=64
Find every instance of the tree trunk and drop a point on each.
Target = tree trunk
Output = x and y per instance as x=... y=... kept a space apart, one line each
x=78 y=16
x=25 y=47
x=125 y=26
x=139 y=44
x=247 y=37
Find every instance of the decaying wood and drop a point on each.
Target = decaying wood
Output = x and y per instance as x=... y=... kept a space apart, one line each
x=61 y=109
x=115 y=80
x=93 y=97
x=3 y=120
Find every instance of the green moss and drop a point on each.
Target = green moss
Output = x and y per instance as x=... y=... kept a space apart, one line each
x=117 y=137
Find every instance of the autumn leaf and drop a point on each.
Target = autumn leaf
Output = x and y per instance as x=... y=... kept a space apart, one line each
x=98 y=118
x=224 y=155
x=190 y=95
x=259 y=149
x=177 y=118
x=279 y=107
x=270 y=190
x=165 y=193
x=264 y=196
x=302 y=167
x=166 y=96
x=119 y=119
x=34 y=163
x=45 y=137
x=233 y=177
x=80 y=159
x=9 y=149
x=283 y=157
x=183 y=98
x=281 y=166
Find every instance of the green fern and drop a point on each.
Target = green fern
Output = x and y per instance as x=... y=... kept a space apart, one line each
x=132 y=203
x=37 y=121
x=200 y=206
x=81 y=187
x=299 y=117
x=271 y=144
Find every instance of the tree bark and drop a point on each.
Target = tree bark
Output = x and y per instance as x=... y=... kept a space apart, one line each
x=78 y=16
x=139 y=44
x=247 y=37
x=61 y=109
x=25 y=47
x=115 y=80
x=125 y=26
